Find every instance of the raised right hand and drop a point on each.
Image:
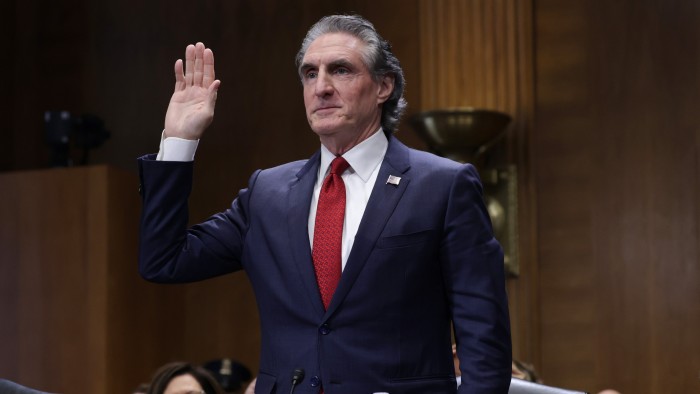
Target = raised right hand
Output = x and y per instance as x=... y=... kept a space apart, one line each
x=191 y=108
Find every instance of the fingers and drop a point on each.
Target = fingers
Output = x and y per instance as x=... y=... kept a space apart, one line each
x=179 y=75
x=198 y=64
x=213 y=91
x=199 y=67
x=189 y=64
x=209 y=74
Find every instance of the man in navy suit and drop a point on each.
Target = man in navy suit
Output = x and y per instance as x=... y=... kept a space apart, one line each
x=417 y=254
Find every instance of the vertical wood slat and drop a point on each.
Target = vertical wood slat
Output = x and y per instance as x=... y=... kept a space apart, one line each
x=470 y=54
x=617 y=93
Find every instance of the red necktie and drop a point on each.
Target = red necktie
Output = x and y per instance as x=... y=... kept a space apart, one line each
x=328 y=231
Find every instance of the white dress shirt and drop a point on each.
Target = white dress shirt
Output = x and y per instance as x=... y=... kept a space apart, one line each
x=359 y=178
x=176 y=149
x=364 y=159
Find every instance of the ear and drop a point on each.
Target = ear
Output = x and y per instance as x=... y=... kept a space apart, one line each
x=384 y=88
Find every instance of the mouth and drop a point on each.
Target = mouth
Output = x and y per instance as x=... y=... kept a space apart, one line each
x=325 y=109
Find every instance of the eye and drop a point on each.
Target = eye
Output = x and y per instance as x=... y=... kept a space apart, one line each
x=310 y=74
x=341 y=71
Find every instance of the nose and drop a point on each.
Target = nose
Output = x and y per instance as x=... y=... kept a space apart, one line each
x=324 y=85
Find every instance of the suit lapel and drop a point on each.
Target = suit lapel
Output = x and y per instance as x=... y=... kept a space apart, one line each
x=380 y=207
x=300 y=192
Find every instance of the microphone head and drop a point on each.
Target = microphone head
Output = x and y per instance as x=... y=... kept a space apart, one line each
x=298 y=375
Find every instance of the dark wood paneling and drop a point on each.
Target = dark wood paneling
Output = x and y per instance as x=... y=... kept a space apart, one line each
x=8 y=30
x=46 y=52
x=616 y=158
x=76 y=316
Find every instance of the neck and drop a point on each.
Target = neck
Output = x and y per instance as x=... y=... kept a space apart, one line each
x=338 y=145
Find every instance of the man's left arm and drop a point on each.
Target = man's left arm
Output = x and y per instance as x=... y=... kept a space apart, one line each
x=472 y=261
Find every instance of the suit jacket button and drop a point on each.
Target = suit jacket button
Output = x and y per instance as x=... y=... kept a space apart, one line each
x=324 y=330
x=315 y=381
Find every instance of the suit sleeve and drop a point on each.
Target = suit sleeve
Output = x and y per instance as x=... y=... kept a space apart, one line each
x=169 y=251
x=472 y=261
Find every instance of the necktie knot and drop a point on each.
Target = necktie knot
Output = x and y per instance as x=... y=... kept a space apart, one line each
x=339 y=165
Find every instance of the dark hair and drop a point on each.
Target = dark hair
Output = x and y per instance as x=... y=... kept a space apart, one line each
x=168 y=372
x=378 y=58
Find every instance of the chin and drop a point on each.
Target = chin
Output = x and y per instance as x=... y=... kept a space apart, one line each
x=325 y=128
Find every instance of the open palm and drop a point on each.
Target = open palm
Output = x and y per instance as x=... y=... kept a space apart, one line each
x=191 y=108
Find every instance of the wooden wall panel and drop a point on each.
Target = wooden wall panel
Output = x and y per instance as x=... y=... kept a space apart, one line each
x=45 y=66
x=616 y=158
x=8 y=30
x=143 y=322
x=562 y=163
x=77 y=318
x=471 y=54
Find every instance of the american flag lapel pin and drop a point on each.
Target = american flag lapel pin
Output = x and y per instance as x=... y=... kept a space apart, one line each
x=393 y=180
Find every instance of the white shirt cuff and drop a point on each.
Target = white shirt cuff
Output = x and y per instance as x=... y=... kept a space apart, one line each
x=176 y=149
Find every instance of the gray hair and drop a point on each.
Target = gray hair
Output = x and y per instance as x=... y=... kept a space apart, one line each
x=378 y=58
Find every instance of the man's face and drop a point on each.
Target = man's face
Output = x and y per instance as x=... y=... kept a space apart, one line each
x=342 y=100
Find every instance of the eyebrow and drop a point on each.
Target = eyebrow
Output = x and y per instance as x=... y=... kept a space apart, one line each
x=341 y=63
x=305 y=67
x=332 y=65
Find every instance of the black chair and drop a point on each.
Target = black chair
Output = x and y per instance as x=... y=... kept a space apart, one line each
x=520 y=386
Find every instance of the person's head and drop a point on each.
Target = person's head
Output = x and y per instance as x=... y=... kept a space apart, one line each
x=352 y=81
x=183 y=378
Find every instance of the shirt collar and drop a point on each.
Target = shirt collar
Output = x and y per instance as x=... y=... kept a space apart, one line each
x=363 y=157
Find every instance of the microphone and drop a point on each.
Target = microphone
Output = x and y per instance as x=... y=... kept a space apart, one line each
x=297 y=377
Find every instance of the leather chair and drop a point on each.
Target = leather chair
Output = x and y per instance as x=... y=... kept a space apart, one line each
x=520 y=386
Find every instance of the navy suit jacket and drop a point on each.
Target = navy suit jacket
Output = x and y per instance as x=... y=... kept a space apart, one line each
x=424 y=256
